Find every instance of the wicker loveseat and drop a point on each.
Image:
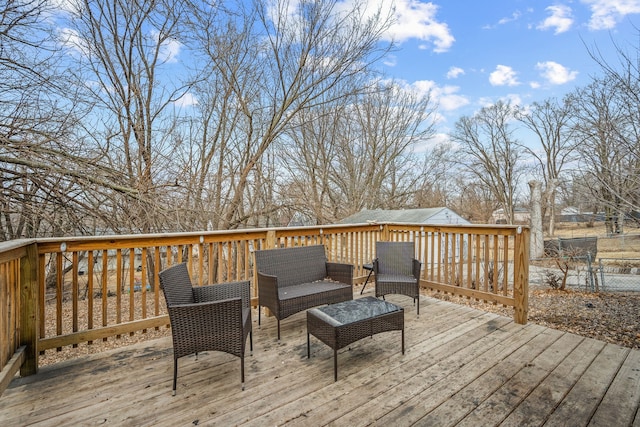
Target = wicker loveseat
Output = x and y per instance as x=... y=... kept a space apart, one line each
x=294 y=279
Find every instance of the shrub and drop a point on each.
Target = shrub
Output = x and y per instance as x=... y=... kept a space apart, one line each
x=552 y=279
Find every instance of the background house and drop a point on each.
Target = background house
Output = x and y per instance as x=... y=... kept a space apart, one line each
x=427 y=216
x=520 y=216
x=431 y=216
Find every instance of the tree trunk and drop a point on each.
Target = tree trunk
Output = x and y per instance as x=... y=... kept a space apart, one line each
x=550 y=198
x=537 y=239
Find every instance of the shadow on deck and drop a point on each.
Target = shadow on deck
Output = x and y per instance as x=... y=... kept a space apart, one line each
x=462 y=367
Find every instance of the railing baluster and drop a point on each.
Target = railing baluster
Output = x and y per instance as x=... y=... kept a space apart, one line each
x=74 y=292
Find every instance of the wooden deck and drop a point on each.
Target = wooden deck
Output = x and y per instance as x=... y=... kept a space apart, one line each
x=462 y=367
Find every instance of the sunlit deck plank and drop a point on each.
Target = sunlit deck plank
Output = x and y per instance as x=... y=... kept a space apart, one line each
x=464 y=401
x=621 y=401
x=534 y=409
x=583 y=399
x=69 y=389
x=363 y=385
x=287 y=389
x=435 y=379
x=438 y=393
x=500 y=402
x=367 y=399
x=461 y=366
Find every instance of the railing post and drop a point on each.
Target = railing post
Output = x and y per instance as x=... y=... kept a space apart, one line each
x=384 y=232
x=29 y=301
x=270 y=240
x=521 y=276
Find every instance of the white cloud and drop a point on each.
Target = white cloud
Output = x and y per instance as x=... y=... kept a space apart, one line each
x=169 y=48
x=454 y=72
x=514 y=17
x=554 y=73
x=605 y=14
x=415 y=19
x=438 y=139
x=66 y=6
x=411 y=19
x=391 y=61
x=512 y=99
x=70 y=39
x=503 y=76
x=447 y=97
x=560 y=19
x=449 y=100
x=186 y=100
x=486 y=101
x=420 y=87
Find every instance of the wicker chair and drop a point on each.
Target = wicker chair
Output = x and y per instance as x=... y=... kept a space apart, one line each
x=215 y=317
x=397 y=271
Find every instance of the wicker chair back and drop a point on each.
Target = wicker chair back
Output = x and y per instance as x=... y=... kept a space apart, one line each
x=395 y=257
x=292 y=265
x=176 y=285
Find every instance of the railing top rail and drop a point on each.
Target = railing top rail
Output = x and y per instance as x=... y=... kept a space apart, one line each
x=499 y=229
x=13 y=249
x=191 y=234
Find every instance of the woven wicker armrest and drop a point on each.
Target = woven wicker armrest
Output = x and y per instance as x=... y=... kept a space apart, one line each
x=417 y=266
x=221 y=291
x=233 y=306
x=268 y=290
x=340 y=272
x=267 y=283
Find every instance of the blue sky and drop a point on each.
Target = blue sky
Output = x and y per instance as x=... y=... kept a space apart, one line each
x=471 y=53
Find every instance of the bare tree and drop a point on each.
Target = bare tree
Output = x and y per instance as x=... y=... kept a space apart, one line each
x=121 y=47
x=473 y=200
x=22 y=72
x=606 y=169
x=358 y=154
x=625 y=77
x=489 y=153
x=437 y=184
x=550 y=121
x=42 y=166
x=308 y=165
x=537 y=239
x=274 y=64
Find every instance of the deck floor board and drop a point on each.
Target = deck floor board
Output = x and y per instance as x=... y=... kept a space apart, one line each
x=461 y=367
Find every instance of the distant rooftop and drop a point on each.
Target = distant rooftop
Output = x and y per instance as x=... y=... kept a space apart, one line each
x=440 y=215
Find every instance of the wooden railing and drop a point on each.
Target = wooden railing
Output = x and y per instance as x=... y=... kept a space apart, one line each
x=66 y=291
x=18 y=310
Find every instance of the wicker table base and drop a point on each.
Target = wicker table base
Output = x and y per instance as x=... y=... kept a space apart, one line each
x=338 y=325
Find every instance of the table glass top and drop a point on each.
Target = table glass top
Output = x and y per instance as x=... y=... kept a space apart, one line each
x=355 y=310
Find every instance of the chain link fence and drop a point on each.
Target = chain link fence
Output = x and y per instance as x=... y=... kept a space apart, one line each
x=614 y=279
x=599 y=275
x=592 y=264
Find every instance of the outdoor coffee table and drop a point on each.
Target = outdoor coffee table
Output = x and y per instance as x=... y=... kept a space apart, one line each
x=338 y=325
